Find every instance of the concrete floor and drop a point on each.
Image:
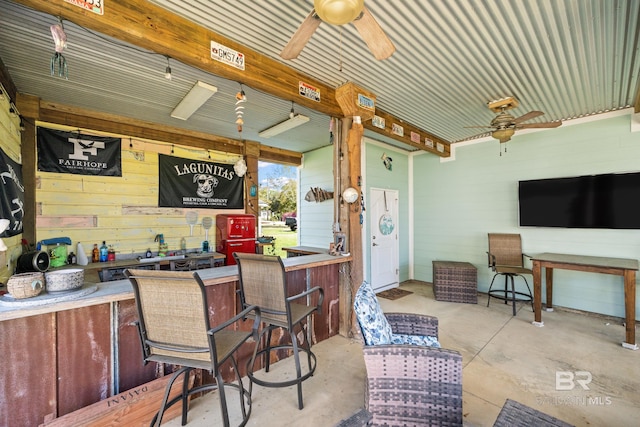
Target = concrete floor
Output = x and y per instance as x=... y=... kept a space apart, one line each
x=503 y=357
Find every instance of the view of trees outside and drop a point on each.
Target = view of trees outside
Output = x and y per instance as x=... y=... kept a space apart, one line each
x=278 y=190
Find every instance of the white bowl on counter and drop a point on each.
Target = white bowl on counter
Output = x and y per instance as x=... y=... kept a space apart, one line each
x=68 y=279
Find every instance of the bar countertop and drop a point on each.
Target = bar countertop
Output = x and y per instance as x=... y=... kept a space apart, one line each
x=107 y=292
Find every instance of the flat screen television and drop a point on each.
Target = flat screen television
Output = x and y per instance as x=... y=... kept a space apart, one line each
x=591 y=201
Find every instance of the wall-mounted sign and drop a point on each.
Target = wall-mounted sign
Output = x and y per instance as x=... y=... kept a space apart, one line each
x=95 y=6
x=415 y=137
x=366 y=102
x=227 y=55
x=308 y=91
x=440 y=147
x=396 y=129
x=75 y=153
x=12 y=195
x=428 y=142
x=378 y=122
x=188 y=183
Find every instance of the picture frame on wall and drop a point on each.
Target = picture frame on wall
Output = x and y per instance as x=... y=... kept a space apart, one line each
x=339 y=243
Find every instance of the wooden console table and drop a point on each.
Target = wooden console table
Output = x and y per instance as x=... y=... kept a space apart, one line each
x=618 y=266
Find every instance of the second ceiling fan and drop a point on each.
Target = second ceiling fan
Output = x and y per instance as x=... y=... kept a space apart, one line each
x=341 y=12
x=504 y=124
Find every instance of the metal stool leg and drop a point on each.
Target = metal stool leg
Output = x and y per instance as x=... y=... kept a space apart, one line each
x=513 y=294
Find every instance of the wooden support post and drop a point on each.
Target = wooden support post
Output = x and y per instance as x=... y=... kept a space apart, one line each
x=29 y=108
x=251 y=156
x=350 y=172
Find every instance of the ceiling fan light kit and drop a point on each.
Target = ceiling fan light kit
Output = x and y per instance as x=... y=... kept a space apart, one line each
x=503 y=135
x=338 y=12
x=194 y=99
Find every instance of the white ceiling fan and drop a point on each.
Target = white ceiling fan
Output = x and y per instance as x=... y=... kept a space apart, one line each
x=341 y=12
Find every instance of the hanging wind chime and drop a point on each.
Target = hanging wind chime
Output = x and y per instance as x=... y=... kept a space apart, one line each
x=58 y=60
x=241 y=99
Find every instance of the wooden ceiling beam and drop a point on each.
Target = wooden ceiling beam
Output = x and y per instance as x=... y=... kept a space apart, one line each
x=439 y=146
x=151 y=27
x=49 y=112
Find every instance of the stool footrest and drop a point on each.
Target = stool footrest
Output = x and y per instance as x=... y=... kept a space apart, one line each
x=526 y=297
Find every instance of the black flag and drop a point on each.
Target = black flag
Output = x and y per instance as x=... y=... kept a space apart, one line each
x=187 y=183
x=72 y=152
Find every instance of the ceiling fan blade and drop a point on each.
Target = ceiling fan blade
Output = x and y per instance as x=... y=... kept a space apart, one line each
x=373 y=35
x=538 y=125
x=301 y=36
x=530 y=115
x=478 y=127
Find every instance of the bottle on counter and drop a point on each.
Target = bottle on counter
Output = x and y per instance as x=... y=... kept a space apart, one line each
x=95 y=254
x=149 y=254
x=82 y=256
x=104 y=252
x=183 y=244
x=71 y=259
x=111 y=254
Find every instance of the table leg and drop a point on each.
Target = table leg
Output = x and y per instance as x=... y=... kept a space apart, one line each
x=630 y=309
x=549 y=281
x=537 y=294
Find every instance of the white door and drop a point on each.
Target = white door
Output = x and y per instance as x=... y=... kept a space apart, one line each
x=384 y=245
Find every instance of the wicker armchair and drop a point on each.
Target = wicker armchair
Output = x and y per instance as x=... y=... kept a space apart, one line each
x=506 y=259
x=175 y=329
x=408 y=384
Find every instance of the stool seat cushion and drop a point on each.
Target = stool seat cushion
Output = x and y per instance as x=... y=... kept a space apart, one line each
x=376 y=329
x=424 y=340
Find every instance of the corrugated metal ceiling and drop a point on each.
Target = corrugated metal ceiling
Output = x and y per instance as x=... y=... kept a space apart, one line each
x=568 y=58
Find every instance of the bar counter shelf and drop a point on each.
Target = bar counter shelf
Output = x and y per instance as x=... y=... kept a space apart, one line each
x=88 y=345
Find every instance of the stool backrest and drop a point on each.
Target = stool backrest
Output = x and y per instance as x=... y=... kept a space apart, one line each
x=506 y=248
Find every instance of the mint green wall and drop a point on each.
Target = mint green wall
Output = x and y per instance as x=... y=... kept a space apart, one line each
x=377 y=176
x=315 y=227
x=458 y=202
x=316 y=219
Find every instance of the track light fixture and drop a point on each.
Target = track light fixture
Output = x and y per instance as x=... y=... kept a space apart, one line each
x=293 y=121
x=194 y=99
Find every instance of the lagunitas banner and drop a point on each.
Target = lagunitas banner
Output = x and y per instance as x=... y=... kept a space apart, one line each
x=12 y=195
x=188 y=183
x=72 y=152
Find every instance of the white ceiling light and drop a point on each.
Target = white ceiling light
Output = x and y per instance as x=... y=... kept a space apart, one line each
x=292 y=122
x=198 y=95
x=338 y=12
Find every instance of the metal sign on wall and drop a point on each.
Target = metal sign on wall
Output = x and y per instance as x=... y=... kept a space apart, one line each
x=75 y=153
x=12 y=195
x=188 y=183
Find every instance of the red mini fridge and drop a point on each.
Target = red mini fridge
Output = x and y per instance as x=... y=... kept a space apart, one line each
x=235 y=233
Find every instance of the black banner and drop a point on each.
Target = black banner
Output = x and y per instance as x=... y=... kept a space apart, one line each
x=12 y=195
x=187 y=183
x=72 y=152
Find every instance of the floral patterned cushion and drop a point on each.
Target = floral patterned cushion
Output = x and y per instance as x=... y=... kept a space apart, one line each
x=376 y=329
x=423 y=340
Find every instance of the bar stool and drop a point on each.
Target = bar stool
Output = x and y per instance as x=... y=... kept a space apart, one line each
x=506 y=259
x=263 y=283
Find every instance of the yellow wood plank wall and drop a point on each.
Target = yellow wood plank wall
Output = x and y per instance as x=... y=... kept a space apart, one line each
x=10 y=144
x=123 y=211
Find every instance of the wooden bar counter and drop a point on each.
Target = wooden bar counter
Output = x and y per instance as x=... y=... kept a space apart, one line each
x=65 y=355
